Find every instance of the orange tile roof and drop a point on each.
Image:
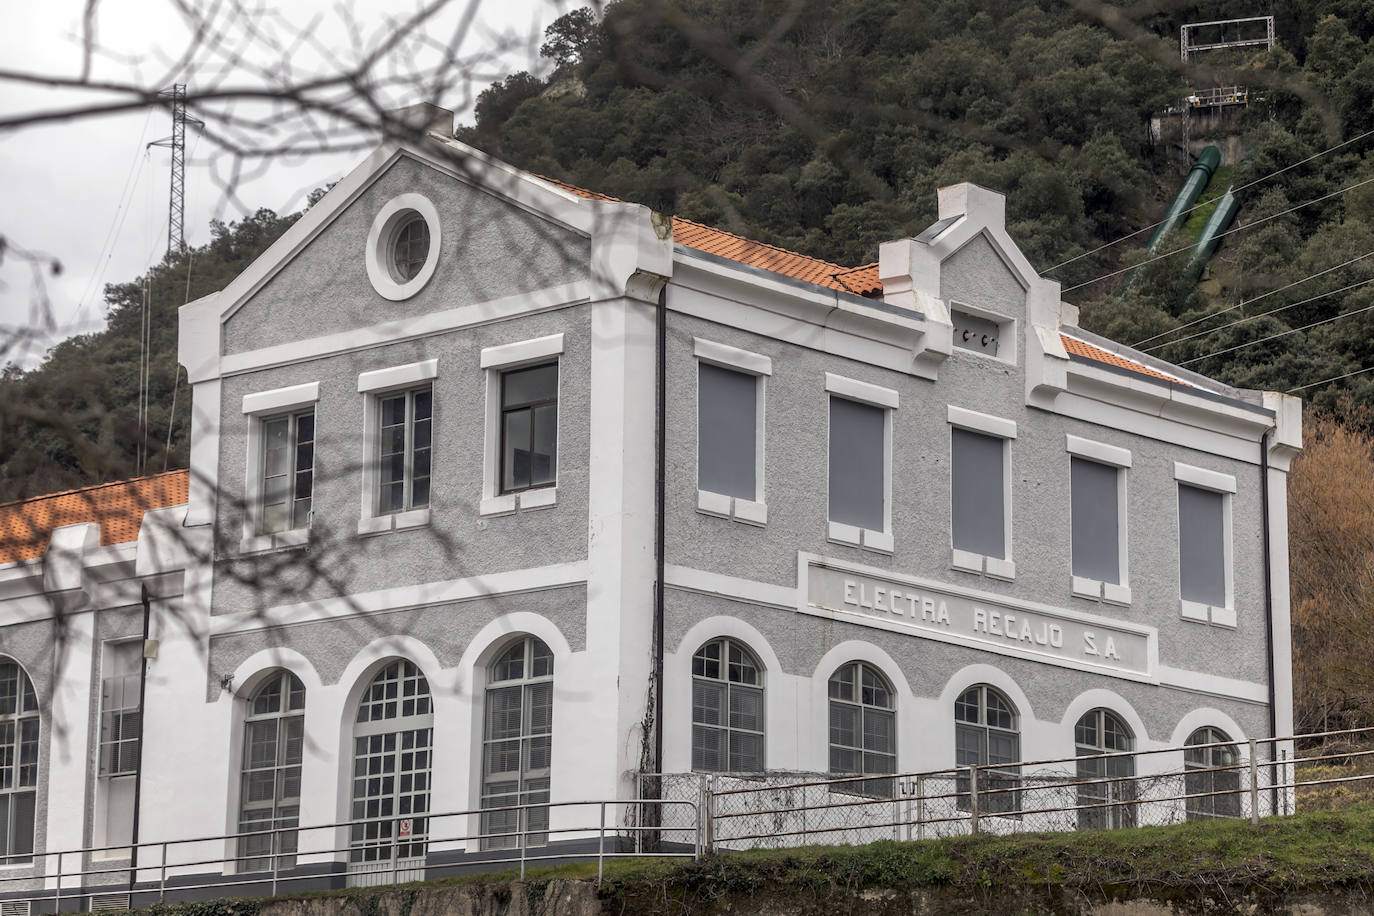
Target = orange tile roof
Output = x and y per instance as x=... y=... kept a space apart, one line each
x=862 y=281
x=1078 y=347
x=26 y=525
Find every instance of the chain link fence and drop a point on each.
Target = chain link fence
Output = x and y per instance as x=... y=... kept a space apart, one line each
x=1199 y=782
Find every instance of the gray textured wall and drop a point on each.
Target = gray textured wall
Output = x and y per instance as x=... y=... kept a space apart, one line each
x=325 y=288
x=796 y=418
x=446 y=628
x=458 y=542
x=801 y=640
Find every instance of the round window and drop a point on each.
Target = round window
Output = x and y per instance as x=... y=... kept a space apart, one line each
x=410 y=249
x=403 y=246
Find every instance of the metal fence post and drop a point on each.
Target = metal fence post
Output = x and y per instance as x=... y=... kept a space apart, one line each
x=973 y=798
x=601 y=844
x=1254 y=785
x=162 y=876
x=396 y=849
x=276 y=862
x=1284 y=777
x=921 y=807
x=710 y=815
x=57 y=905
x=520 y=822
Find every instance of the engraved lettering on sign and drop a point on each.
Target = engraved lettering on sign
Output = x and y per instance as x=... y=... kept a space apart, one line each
x=979 y=620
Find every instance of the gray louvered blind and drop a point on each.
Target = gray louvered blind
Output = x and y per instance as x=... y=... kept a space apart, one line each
x=1096 y=525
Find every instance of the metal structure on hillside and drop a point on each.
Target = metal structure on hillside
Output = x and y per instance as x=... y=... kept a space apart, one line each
x=1198 y=37
x=176 y=204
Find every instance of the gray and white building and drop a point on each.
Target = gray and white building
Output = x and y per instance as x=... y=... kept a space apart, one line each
x=504 y=492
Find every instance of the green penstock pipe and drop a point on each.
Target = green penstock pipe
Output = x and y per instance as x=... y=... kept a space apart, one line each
x=1208 y=241
x=1197 y=179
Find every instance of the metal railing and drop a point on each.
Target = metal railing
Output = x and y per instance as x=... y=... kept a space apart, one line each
x=1255 y=779
x=166 y=870
x=687 y=814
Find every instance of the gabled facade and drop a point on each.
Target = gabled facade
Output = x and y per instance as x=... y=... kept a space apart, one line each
x=456 y=426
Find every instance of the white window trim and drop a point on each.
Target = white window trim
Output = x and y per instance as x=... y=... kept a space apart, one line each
x=1000 y=428
x=863 y=392
x=976 y=422
x=1006 y=333
x=1204 y=479
x=750 y=511
x=381 y=236
x=495 y=361
x=1119 y=458
x=1225 y=484
x=875 y=396
x=373 y=385
x=1100 y=452
x=719 y=354
x=398 y=376
x=259 y=407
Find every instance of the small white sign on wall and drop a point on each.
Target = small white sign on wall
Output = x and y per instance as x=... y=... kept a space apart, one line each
x=932 y=610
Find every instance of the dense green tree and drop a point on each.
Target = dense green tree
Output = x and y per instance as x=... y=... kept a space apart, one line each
x=74 y=419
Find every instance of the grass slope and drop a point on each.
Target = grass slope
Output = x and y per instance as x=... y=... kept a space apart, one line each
x=1322 y=851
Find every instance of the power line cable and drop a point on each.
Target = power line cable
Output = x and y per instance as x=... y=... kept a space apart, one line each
x=1334 y=378
x=1232 y=324
x=1241 y=305
x=1261 y=340
x=1248 y=184
x=1221 y=235
x=117 y=220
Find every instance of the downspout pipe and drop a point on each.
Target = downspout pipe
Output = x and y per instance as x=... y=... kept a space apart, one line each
x=660 y=500
x=1269 y=613
x=142 y=737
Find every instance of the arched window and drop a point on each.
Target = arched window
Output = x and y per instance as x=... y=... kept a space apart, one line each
x=1211 y=765
x=1110 y=781
x=517 y=745
x=270 y=789
x=727 y=709
x=19 y=726
x=987 y=734
x=863 y=727
x=392 y=741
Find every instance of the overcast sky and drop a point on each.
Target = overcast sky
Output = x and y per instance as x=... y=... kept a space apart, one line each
x=88 y=190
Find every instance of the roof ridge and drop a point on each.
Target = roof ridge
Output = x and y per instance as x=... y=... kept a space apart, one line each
x=93 y=486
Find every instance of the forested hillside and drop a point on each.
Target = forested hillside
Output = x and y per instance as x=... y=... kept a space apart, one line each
x=74 y=420
x=826 y=127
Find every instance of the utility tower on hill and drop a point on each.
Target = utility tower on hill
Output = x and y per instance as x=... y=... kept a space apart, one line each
x=176 y=205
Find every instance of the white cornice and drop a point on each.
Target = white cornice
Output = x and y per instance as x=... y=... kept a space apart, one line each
x=736 y=295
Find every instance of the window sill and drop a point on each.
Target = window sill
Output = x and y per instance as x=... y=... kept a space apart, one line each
x=396 y=521
x=267 y=543
x=853 y=536
x=994 y=567
x=741 y=510
x=1108 y=592
x=510 y=503
x=1205 y=613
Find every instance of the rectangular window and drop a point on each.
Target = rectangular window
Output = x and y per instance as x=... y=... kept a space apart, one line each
x=288 y=470
x=404 y=450
x=858 y=462
x=978 y=498
x=1096 y=522
x=120 y=733
x=1202 y=546
x=727 y=432
x=119 y=713
x=529 y=428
